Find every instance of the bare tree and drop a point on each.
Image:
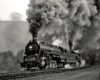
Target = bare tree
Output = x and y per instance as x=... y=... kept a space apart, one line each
x=15 y=16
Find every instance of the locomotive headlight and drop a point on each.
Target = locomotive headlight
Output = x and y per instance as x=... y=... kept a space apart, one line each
x=30 y=47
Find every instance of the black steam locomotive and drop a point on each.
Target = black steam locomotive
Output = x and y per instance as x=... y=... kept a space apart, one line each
x=47 y=56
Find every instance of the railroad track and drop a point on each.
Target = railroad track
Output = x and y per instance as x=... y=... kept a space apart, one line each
x=11 y=76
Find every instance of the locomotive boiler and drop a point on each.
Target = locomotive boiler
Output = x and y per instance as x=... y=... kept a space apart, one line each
x=41 y=55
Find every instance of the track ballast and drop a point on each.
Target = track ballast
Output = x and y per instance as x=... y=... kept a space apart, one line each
x=9 y=76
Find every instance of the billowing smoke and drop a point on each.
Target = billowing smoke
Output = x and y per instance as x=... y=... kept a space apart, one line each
x=71 y=19
x=57 y=42
x=91 y=34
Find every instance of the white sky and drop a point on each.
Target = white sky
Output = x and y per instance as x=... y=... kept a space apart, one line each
x=9 y=6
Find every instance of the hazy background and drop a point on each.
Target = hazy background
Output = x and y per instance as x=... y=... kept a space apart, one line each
x=13 y=26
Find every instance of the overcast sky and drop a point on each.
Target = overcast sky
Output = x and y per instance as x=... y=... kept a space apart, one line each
x=9 y=6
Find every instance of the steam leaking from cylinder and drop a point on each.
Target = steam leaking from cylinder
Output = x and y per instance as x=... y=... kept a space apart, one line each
x=83 y=63
x=50 y=16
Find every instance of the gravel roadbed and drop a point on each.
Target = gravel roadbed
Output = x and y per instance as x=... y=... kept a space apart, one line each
x=92 y=73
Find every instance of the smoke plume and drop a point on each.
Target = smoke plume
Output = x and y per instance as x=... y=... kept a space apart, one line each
x=91 y=34
x=71 y=19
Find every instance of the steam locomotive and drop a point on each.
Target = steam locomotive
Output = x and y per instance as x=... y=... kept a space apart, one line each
x=41 y=55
